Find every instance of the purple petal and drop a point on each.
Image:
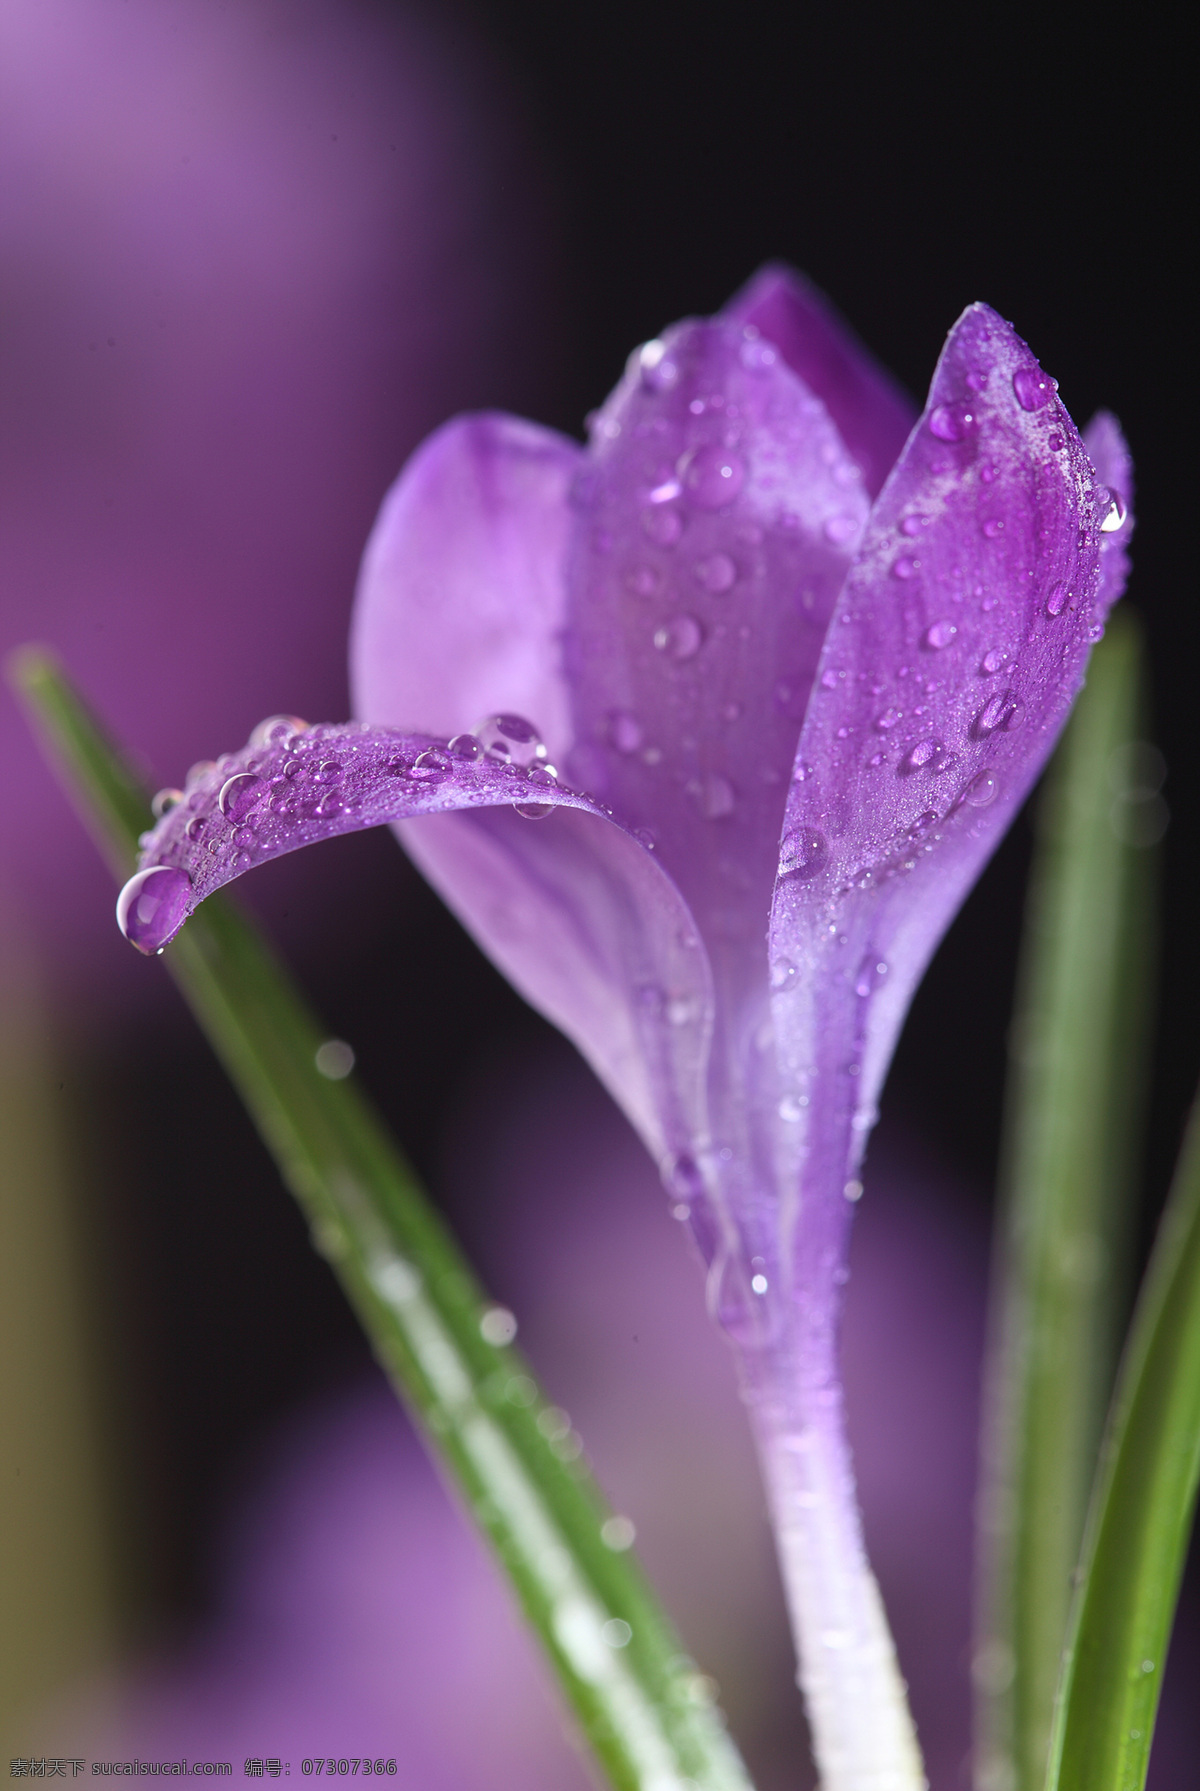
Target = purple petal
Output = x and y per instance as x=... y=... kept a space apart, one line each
x=959 y=643
x=573 y=908
x=1114 y=468
x=716 y=517
x=871 y=411
x=460 y=600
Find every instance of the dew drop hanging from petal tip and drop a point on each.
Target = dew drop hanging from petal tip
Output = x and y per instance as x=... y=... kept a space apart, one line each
x=153 y=906
x=1114 y=516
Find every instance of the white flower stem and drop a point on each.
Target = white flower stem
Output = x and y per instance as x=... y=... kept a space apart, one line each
x=863 y=1733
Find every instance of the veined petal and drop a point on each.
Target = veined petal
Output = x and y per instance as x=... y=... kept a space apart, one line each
x=461 y=598
x=873 y=414
x=960 y=640
x=716 y=519
x=569 y=904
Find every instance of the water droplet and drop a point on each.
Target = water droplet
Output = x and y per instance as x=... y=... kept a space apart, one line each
x=1055 y=442
x=680 y=637
x=953 y=422
x=802 y=854
x=277 y=728
x=153 y=906
x=624 y=730
x=431 y=766
x=992 y=527
x=1056 y=602
x=663 y=524
x=1003 y=711
x=888 y=719
x=510 y=740
x=939 y=635
x=616 y=1632
x=977 y=379
x=982 y=790
x=238 y=795
x=682 y=1010
x=1033 y=387
x=498 y=1326
x=1114 y=516
x=329 y=806
x=164 y=801
x=922 y=824
x=329 y=770
x=784 y=976
x=921 y=756
x=334 y=1059
x=717 y=574
x=293 y=769
x=196 y=826
x=756 y=355
x=840 y=529
x=659 y=373
x=905 y=566
x=643 y=581
x=646 y=837
x=683 y=1177
x=618 y=1534
x=914 y=523
x=853 y=1190
x=712 y=476
x=713 y=795
x=465 y=746
x=872 y=974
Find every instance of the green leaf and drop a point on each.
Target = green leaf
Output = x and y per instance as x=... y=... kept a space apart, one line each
x=1060 y=1293
x=639 y=1700
x=1140 y=1519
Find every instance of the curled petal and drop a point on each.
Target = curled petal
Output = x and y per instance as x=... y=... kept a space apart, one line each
x=960 y=640
x=872 y=413
x=567 y=902
x=461 y=597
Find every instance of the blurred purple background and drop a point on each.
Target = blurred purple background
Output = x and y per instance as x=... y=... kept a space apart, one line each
x=249 y=256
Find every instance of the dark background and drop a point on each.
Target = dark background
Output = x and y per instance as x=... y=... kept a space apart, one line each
x=910 y=160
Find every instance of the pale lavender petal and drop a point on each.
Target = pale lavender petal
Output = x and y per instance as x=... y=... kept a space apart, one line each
x=569 y=904
x=716 y=518
x=960 y=641
x=872 y=412
x=1114 y=468
x=460 y=600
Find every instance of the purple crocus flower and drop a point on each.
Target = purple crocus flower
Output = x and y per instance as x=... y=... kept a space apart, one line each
x=771 y=663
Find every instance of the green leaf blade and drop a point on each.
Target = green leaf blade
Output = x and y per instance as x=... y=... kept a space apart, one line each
x=1141 y=1518
x=1072 y=1117
x=639 y=1701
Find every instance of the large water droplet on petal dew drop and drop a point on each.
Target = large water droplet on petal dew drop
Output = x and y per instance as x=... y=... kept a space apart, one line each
x=712 y=476
x=153 y=906
x=511 y=740
x=1033 y=387
x=802 y=854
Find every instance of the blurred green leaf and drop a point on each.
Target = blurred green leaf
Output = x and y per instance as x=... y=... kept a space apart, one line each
x=1141 y=1517
x=642 y=1705
x=1060 y=1293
